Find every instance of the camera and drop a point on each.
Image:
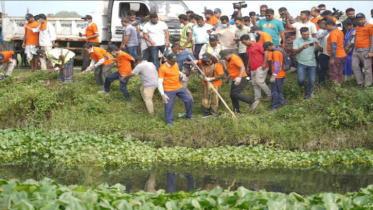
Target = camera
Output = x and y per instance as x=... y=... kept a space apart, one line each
x=239 y=5
x=336 y=13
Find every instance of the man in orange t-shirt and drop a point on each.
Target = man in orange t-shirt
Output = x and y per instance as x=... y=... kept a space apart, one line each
x=91 y=36
x=7 y=58
x=100 y=61
x=237 y=73
x=363 y=51
x=31 y=41
x=263 y=36
x=278 y=75
x=169 y=86
x=211 y=19
x=125 y=64
x=336 y=51
x=315 y=13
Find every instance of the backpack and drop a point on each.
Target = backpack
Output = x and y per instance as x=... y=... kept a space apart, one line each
x=286 y=62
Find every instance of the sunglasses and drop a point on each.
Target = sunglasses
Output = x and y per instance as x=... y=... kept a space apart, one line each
x=263 y=10
x=268 y=15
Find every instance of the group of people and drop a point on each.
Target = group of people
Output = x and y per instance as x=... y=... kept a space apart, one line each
x=238 y=49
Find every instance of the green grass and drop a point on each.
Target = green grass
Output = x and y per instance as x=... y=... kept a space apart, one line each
x=333 y=120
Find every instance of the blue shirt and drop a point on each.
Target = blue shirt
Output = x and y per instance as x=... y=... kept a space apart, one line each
x=184 y=57
x=200 y=35
x=273 y=27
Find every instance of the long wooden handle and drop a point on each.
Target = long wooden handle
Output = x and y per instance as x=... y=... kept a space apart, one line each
x=213 y=88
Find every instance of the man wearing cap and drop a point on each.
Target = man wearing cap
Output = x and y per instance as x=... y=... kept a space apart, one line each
x=217 y=14
x=149 y=78
x=240 y=31
x=213 y=73
x=236 y=71
x=47 y=36
x=100 y=61
x=91 y=36
x=31 y=41
x=145 y=45
x=8 y=61
x=62 y=58
x=156 y=33
x=129 y=39
x=258 y=66
x=125 y=64
x=337 y=52
x=186 y=34
x=212 y=48
x=210 y=18
x=363 y=51
x=169 y=86
x=201 y=33
x=227 y=35
x=260 y=36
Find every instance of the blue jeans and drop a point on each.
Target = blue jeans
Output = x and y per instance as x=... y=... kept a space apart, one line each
x=276 y=91
x=302 y=70
x=154 y=52
x=123 y=85
x=132 y=51
x=169 y=107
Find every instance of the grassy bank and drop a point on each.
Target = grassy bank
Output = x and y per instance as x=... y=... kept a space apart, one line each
x=333 y=120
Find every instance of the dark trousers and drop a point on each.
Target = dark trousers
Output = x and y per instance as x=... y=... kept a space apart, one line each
x=169 y=107
x=324 y=66
x=197 y=50
x=236 y=95
x=123 y=84
x=336 y=70
x=276 y=91
x=244 y=58
x=171 y=183
x=154 y=52
x=86 y=58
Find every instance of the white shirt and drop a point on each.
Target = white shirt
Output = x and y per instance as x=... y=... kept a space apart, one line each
x=322 y=36
x=200 y=35
x=156 y=32
x=47 y=36
x=227 y=36
x=298 y=25
x=371 y=20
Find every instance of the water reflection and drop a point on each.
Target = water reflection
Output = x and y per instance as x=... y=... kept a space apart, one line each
x=189 y=178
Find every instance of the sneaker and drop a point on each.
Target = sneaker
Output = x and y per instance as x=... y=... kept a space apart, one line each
x=304 y=93
x=269 y=98
x=206 y=115
x=254 y=105
x=102 y=92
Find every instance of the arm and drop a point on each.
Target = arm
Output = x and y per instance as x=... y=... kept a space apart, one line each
x=242 y=70
x=127 y=76
x=277 y=67
x=265 y=60
x=24 y=40
x=288 y=25
x=93 y=36
x=239 y=13
x=253 y=21
x=297 y=49
x=333 y=50
x=189 y=34
x=149 y=40
x=314 y=35
x=167 y=38
x=62 y=60
x=126 y=39
x=318 y=47
x=52 y=32
x=282 y=35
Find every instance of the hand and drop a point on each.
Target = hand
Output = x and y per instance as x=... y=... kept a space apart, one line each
x=227 y=80
x=23 y=45
x=50 y=71
x=208 y=79
x=283 y=45
x=80 y=34
x=183 y=77
x=167 y=45
x=89 y=68
x=305 y=46
x=121 y=79
x=264 y=66
x=331 y=62
x=317 y=44
x=165 y=98
x=183 y=47
x=37 y=45
x=237 y=81
x=370 y=55
x=153 y=44
x=187 y=63
x=123 y=46
x=273 y=79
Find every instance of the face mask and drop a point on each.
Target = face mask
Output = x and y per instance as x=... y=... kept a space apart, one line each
x=113 y=54
x=224 y=25
x=87 y=23
x=38 y=21
x=321 y=11
x=255 y=35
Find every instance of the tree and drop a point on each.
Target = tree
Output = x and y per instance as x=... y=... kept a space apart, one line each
x=67 y=14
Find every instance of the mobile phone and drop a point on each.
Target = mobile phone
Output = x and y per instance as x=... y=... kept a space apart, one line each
x=312 y=44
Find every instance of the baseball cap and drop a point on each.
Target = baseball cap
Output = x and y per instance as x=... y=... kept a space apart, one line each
x=172 y=57
x=206 y=56
x=189 y=12
x=42 y=16
x=217 y=10
x=360 y=15
x=111 y=48
x=28 y=16
x=144 y=19
x=330 y=22
x=224 y=53
x=87 y=17
x=267 y=44
x=39 y=52
x=87 y=45
x=208 y=12
x=2 y=58
x=213 y=37
x=254 y=28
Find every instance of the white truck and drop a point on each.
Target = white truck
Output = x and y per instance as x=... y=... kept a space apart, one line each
x=107 y=16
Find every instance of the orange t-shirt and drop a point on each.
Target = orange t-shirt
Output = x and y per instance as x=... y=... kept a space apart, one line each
x=31 y=37
x=265 y=37
x=277 y=56
x=233 y=67
x=363 y=34
x=336 y=36
x=270 y=55
x=7 y=55
x=314 y=21
x=124 y=63
x=218 y=70
x=98 y=54
x=171 y=77
x=212 y=21
x=90 y=31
